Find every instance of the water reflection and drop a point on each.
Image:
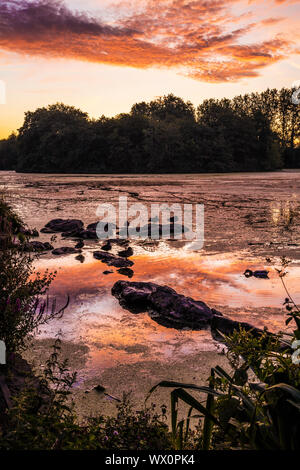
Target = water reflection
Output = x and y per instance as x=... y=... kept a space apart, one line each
x=115 y=336
x=242 y=211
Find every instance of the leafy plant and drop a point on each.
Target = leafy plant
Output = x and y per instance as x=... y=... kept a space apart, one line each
x=23 y=305
x=41 y=417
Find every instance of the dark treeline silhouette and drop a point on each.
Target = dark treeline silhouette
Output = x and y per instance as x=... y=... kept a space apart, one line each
x=253 y=132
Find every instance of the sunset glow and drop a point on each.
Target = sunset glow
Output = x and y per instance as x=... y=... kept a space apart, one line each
x=104 y=56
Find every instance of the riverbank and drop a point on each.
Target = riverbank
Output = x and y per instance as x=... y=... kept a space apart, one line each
x=134 y=379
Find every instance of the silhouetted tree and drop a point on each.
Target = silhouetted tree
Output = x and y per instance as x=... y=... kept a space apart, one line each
x=251 y=132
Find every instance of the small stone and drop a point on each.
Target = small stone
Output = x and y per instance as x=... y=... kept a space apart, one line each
x=126 y=253
x=126 y=272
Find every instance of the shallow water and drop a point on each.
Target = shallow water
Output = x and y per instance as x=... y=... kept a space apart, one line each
x=248 y=217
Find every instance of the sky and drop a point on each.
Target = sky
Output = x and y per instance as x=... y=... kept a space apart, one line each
x=103 y=56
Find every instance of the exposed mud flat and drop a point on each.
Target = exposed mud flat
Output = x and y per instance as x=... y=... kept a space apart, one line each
x=240 y=208
x=248 y=218
x=135 y=379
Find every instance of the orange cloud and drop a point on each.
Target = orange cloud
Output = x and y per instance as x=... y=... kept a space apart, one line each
x=197 y=37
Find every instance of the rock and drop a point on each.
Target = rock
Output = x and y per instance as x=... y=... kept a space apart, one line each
x=99 y=389
x=248 y=273
x=134 y=296
x=263 y=274
x=108 y=272
x=92 y=226
x=37 y=246
x=126 y=272
x=106 y=247
x=146 y=230
x=89 y=234
x=46 y=230
x=81 y=233
x=112 y=260
x=61 y=225
x=163 y=304
x=227 y=326
x=173 y=310
x=65 y=250
x=126 y=253
x=80 y=258
x=80 y=244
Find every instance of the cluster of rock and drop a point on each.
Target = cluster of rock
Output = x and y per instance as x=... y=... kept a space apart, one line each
x=74 y=228
x=113 y=260
x=162 y=303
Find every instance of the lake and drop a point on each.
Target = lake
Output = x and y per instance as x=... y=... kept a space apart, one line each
x=248 y=218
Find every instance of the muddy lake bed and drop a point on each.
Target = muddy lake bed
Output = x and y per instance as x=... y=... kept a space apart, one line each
x=248 y=218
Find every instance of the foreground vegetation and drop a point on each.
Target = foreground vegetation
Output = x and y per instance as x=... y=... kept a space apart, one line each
x=253 y=132
x=257 y=407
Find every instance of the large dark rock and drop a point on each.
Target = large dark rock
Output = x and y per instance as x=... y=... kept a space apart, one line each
x=61 y=225
x=112 y=260
x=173 y=310
x=91 y=231
x=134 y=296
x=163 y=304
x=87 y=234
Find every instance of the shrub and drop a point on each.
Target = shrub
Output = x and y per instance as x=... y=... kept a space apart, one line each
x=22 y=305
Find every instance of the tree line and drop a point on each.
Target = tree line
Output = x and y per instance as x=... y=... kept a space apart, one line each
x=251 y=132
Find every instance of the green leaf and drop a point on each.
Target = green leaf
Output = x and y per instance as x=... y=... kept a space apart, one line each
x=191 y=401
x=170 y=384
x=292 y=391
